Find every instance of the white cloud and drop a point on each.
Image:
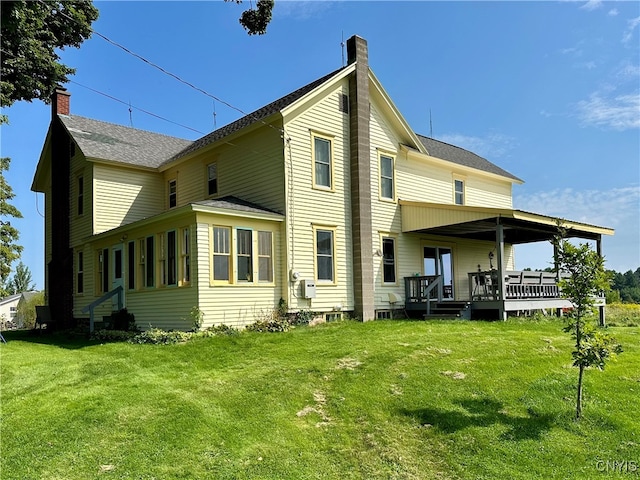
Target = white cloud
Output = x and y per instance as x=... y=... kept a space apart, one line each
x=617 y=208
x=631 y=26
x=612 y=208
x=300 y=9
x=621 y=112
x=492 y=146
x=592 y=5
x=613 y=12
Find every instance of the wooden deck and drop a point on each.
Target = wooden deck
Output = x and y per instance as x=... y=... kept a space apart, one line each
x=523 y=291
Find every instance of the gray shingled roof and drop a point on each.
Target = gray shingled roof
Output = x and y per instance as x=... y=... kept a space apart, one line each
x=458 y=155
x=234 y=203
x=256 y=116
x=107 y=141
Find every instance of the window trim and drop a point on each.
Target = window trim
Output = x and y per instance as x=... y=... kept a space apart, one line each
x=185 y=257
x=228 y=254
x=462 y=180
x=169 y=260
x=260 y=256
x=149 y=262
x=80 y=272
x=394 y=239
x=330 y=139
x=392 y=157
x=208 y=180
x=80 y=195
x=172 y=195
x=324 y=228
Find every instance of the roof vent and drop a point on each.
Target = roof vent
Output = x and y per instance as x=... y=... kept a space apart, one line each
x=344 y=103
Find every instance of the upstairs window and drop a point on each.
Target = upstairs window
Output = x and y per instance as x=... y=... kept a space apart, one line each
x=173 y=193
x=322 y=174
x=212 y=179
x=80 y=198
x=387 y=187
x=459 y=192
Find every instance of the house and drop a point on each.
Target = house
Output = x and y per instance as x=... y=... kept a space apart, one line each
x=325 y=198
x=9 y=308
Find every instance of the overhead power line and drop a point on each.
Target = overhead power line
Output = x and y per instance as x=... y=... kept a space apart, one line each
x=166 y=72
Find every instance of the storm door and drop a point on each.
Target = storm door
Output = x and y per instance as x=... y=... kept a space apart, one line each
x=117 y=254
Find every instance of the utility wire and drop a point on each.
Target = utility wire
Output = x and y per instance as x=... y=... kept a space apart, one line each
x=128 y=104
x=166 y=72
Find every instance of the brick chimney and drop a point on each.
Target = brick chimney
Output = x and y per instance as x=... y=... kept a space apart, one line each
x=60 y=102
x=360 y=161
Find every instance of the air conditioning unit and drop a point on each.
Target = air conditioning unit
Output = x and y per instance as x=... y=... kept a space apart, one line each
x=308 y=288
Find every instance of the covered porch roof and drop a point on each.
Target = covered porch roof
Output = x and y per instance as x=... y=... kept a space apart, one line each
x=480 y=223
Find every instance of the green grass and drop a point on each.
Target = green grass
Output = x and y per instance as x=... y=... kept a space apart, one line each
x=396 y=399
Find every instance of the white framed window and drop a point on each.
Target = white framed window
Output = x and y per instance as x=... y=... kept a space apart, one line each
x=244 y=255
x=173 y=193
x=324 y=254
x=322 y=150
x=103 y=271
x=186 y=256
x=387 y=177
x=458 y=191
x=388 y=260
x=265 y=257
x=221 y=253
x=212 y=179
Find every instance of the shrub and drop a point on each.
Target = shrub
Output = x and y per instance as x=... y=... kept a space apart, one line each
x=157 y=336
x=197 y=318
x=221 y=329
x=303 y=317
x=26 y=313
x=112 y=335
x=124 y=321
x=270 y=321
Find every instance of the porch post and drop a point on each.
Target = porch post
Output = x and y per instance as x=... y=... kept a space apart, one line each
x=601 y=315
x=501 y=270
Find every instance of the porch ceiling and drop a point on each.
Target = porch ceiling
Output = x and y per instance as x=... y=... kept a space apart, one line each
x=479 y=223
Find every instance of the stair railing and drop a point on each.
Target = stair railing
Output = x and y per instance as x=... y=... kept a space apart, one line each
x=91 y=307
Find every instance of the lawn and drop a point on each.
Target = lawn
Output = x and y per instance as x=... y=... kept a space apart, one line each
x=386 y=399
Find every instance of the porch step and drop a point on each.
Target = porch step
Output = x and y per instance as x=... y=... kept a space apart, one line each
x=460 y=310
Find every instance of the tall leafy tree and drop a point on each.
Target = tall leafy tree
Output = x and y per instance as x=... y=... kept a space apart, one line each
x=32 y=31
x=9 y=235
x=587 y=279
x=256 y=20
x=22 y=280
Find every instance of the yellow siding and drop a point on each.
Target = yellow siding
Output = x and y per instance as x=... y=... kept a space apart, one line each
x=308 y=207
x=236 y=304
x=80 y=225
x=122 y=196
x=250 y=167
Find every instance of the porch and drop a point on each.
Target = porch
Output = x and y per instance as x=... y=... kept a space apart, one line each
x=497 y=289
x=523 y=291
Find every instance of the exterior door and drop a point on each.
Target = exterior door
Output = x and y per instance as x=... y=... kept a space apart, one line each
x=439 y=261
x=117 y=255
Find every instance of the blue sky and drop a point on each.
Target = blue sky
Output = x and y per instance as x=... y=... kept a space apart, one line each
x=550 y=91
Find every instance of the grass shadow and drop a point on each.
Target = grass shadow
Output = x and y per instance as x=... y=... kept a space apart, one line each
x=483 y=412
x=56 y=338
